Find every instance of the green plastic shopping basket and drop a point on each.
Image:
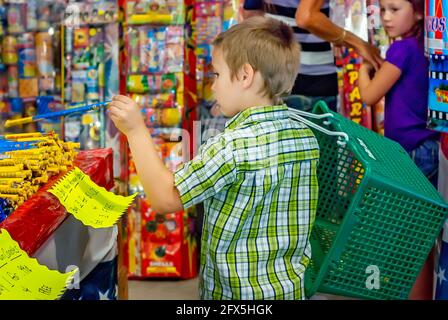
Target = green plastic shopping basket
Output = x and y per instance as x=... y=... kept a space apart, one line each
x=377 y=213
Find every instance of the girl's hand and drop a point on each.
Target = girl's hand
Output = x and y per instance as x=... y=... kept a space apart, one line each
x=370 y=54
x=126 y=114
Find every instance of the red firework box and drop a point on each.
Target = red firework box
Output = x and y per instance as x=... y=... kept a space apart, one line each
x=160 y=245
x=161 y=242
x=444 y=143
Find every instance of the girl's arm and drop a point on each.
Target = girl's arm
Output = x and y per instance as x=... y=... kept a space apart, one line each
x=372 y=90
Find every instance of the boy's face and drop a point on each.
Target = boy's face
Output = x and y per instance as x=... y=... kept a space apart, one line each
x=227 y=92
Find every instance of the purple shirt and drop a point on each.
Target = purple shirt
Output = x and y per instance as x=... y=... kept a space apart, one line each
x=406 y=106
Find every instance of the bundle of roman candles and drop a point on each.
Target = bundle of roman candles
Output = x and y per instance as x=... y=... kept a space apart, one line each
x=28 y=160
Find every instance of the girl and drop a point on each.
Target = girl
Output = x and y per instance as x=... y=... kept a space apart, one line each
x=403 y=79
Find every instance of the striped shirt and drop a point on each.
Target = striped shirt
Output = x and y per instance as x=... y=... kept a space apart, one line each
x=259 y=186
x=317 y=74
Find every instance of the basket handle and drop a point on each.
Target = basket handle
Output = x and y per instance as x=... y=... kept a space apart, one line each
x=342 y=136
x=313 y=115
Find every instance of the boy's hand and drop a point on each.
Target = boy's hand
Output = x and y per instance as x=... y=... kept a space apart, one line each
x=126 y=114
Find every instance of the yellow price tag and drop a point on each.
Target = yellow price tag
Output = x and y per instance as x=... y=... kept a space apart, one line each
x=91 y=204
x=23 y=278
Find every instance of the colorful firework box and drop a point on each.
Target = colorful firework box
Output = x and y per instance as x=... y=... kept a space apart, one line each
x=160 y=245
x=436 y=45
x=353 y=107
x=438 y=93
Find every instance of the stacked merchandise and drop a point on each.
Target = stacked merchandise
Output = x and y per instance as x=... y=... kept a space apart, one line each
x=351 y=15
x=90 y=65
x=436 y=46
x=42 y=225
x=34 y=35
x=210 y=18
x=206 y=19
x=379 y=38
x=354 y=108
x=29 y=69
x=28 y=161
x=158 y=245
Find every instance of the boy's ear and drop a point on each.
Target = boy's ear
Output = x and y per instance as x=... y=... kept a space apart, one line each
x=247 y=75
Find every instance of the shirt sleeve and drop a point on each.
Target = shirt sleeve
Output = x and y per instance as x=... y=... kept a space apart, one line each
x=210 y=172
x=253 y=5
x=398 y=55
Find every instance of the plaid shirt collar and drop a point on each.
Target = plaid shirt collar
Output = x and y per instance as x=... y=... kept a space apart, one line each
x=257 y=114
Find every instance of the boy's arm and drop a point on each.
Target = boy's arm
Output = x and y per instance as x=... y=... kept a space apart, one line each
x=372 y=90
x=309 y=17
x=157 y=180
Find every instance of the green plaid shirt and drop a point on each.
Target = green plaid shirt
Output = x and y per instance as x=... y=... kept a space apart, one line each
x=259 y=186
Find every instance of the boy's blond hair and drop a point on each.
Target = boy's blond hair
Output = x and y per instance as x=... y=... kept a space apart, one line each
x=268 y=45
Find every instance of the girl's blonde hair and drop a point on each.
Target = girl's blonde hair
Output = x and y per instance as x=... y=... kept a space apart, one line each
x=268 y=45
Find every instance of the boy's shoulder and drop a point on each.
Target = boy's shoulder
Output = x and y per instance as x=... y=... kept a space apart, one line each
x=287 y=128
x=271 y=125
x=283 y=135
x=220 y=143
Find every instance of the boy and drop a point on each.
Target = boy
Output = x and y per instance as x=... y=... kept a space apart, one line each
x=257 y=179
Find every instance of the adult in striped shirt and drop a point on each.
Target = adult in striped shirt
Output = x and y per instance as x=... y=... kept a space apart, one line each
x=257 y=179
x=317 y=79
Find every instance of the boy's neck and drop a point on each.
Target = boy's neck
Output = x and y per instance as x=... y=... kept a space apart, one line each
x=258 y=102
